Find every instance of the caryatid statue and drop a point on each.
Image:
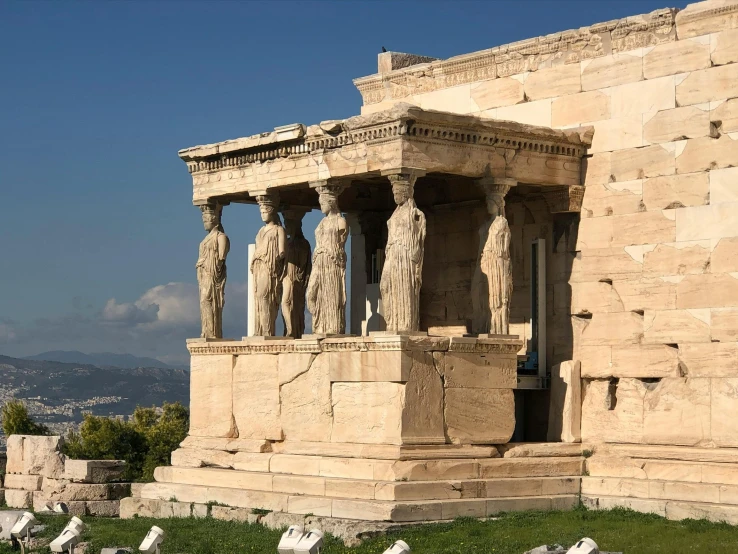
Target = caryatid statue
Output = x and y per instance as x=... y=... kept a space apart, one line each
x=267 y=266
x=326 y=292
x=211 y=272
x=403 y=258
x=494 y=260
x=296 y=275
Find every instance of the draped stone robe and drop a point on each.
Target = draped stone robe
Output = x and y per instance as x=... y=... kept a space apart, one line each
x=294 y=286
x=403 y=268
x=326 y=294
x=267 y=268
x=211 y=279
x=496 y=265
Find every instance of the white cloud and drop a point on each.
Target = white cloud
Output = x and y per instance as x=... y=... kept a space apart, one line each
x=128 y=314
x=177 y=303
x=156 y=324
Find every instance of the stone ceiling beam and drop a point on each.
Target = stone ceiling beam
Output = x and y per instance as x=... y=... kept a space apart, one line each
x=365 y=147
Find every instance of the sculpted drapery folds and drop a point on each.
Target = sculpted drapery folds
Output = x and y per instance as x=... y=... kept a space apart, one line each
x=492 y=284
x=296 y=275
x=211 y=272
x=326 y=292
x=267 y=267
x=403 y=262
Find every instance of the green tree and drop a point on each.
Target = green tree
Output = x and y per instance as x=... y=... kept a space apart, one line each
x=163 y=436
x=17 y=421
x=144 y=442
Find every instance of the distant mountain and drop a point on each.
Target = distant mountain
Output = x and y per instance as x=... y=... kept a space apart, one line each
x=100 y=359
x=59 y=394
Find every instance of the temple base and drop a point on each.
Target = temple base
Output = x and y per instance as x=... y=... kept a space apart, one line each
x=450 y=482
x=396 y=428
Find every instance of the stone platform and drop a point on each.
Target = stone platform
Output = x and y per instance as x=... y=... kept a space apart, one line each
x=473 y=482
x=379 y=428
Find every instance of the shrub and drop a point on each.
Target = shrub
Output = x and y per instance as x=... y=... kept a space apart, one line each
x=17 y=421
x=144 y=442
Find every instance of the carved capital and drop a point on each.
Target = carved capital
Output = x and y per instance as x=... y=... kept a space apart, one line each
x=495 y=189
x=294 y=213
x=267 y=198
x=403 y=176
x=330 y=187
x=211 y=209
x=565 y=199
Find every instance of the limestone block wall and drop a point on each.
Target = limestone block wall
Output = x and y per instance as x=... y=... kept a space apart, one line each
x=645 y=284
x=386 y=390
x=39 y=475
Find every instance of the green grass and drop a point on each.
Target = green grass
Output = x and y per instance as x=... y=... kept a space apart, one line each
x=514 y=533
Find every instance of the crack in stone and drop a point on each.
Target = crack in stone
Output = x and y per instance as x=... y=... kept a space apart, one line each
x=309 y=365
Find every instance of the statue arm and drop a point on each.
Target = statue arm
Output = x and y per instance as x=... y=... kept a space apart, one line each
x=224 y=245
x=281 y=253
x=343 y=228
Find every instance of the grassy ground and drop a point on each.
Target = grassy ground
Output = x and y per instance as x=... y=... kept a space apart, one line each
x=616 y=530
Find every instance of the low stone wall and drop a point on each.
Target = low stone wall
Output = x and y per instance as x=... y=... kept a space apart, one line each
x=38 y=476
x=673 y=482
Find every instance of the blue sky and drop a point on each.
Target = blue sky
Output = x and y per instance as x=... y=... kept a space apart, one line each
x=97 y=97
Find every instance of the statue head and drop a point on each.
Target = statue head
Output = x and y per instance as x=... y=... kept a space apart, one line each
x=268 y=204
x=401 y=193
x=328 y=198
x=211 y=216
x=495 y=205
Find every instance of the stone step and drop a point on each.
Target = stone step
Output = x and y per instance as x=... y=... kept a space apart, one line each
x=381 y=470
x=679 y=453
x=541 y=449
x=670 y=509
x=368 y=489
x=358 y=509
x=660 y=490
x=603 y=465
x=385 y=451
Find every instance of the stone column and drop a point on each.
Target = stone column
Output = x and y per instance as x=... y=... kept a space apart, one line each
x=492 y=280
x=326 y=293
x=358 y=273
x=403 y=257
x=267 y=266
x=211 y=272
x=298 y=264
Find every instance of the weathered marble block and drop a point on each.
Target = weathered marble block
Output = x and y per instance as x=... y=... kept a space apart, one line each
x=383 y=389
x=93 y=471
x=33 y=455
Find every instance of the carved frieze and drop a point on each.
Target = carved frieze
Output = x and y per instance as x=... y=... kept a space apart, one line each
x=564 y=199
x=360 y=344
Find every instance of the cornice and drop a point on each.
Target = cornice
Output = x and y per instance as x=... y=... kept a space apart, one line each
x=402 y=121
x=562 y=48
x=253 y=346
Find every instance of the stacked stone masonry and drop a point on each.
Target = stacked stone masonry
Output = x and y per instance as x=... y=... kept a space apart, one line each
x=400 y=485
x=646 y=290
x=39 y=475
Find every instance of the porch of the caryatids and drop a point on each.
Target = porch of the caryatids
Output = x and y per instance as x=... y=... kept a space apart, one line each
x=326 y=291
x=211 y=271
x=267 y=266
x=403 y=257
x=492 y=282
x=298 y=265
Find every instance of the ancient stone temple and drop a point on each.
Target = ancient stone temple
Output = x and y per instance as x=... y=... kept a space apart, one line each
x=543 y=263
